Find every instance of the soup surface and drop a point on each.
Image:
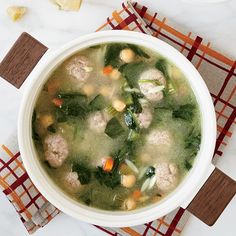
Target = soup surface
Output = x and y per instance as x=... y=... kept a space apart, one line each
x=116 y=126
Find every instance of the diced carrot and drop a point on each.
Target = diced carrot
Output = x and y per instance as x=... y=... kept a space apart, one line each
x=57 y=102
x=53 y=86
x=107 y=70
x=137 y=194
x=108 y=165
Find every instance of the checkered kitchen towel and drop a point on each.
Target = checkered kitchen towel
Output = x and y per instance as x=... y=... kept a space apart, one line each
x=219 y=74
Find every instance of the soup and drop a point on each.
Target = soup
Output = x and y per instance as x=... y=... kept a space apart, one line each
x=116 y=126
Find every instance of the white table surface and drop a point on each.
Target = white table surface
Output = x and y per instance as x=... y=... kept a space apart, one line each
x=216 y=22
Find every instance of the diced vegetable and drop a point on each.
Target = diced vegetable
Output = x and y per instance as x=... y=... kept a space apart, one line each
x=185 y=112
x=108 y=165
x=137 y=194
x=84 y=174
x=107 y=70
x=57 y=102
x=115 y=74
x=132 y=166
x=114 y=128
x=118 y=105
x=111 y=110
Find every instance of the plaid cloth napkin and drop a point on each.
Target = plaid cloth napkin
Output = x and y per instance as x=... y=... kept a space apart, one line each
x=219 y=74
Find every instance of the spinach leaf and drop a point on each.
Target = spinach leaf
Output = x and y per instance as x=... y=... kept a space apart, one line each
x=125 y=152
x=161 y=65
x=185 y=112
x=150 y=171
x=130 y=120
x=109 y=179
x=74 y=105
x=72 y=95
x=35 y=135
x=51 y=128
x=138 y=51
x=192 y=142
x=98 y=103
x=131 y=72
x=135 y=106
x=187 y=165
x=114 y=128
x=84 y=173
x=112 y=55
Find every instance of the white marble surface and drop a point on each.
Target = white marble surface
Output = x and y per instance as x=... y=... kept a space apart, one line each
x=216 y=22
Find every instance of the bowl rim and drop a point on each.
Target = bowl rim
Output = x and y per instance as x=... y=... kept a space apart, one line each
x=92 y=215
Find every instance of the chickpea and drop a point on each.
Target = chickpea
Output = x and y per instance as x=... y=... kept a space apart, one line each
x=118 y=105
x=46 y=120
x=105 y=91
x=115 y=74
x=127 y=55
x=128 y=181
x=88 y=89
x=129 y=204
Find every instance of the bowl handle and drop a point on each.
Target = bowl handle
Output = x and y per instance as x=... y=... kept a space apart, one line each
x=213 y=197
x=21 y=59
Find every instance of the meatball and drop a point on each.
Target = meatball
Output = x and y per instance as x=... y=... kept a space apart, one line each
x=159 y=137
x=56 y=150
x=97 y=121
x=72 y=182
x=129 y=204
x=144 y=118
x=79 y=67
x=151 y=90
x=166 y=176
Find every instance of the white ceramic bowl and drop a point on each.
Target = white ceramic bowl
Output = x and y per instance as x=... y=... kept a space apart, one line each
x=180 y=197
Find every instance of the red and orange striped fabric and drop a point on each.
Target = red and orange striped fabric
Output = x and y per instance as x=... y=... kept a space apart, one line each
x=219 y=74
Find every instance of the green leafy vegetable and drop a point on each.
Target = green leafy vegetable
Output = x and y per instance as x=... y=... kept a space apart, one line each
x=150 y=171
x=35 y=135
x=130 y=120
x=110 y=179
x=112 y=55
x=131 y=72
x=51 y=128
x=114 y=128
x=138 y=51
x=185 y=112
x=187 y=165
x=74 y=105
x=192 y=142
x=135 y=106
x=98 y=103
x=84 y=173
x=161 y=65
